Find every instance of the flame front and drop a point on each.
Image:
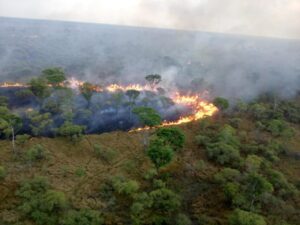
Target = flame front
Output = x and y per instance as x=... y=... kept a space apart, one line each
x=200 y=107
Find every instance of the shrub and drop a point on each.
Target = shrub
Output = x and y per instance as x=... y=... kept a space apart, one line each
x=80 y=172
x=241 y=217
x=221 y=103
x=235 y=122
x=202 y=140
x=82 y=217
x=223 y=153
x=35 y=153
x=22 y=139
x=40 y=203
x=150 y=174
x=2 y=173
x=165 y=200
x=159 y=153
x=172 y=136
x=107 y=155
x=183 y=220
x=71 y=131
x=123 y=186
x=280 y=128
x=253 y=163
x=227 y=174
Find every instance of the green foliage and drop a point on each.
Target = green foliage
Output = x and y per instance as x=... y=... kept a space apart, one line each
x=54 y=76
x=150 y=174
x=123 y=186
x=39 y=87
x=40 y=203
x=82 y=217
x=228 y=174
x=3 y=101
x=24 y=93
x=182 y=219
x=221 y=103
x=172 y=136
x=259 y=111
x=281 y=185
x=80 y=172
x=223 y=153
x=107 y=154
x=9 y=123
x=165 y=200
x=202 y=140
x=35 y=153
x=71 y=131
x=235 y=122
x=147 y=116
x=253 y=163
x=280 y=128
x=2 y=172
x=159 y=153
x=22 y=139
x=132 y=94
x=40 y=123
x=241 y=217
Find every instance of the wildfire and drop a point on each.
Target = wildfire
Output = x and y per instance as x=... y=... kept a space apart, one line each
x=200 y=108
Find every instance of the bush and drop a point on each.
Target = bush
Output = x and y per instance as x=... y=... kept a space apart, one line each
x=241 y=217
x=82 y=217
x=80 y=172
x=165 y=200
x=253 y=163
x=183 y=220
x=2 y=173
x=107 y=155
x=280 y=128
x=22 y=139
x=159 y=153
x=202 y=140
x=150 y=174
x=223 y=153
x=35 y=153
x=71 y=131
x=40 y=203
x=123 y=186
x=227 y=174
x=172 y=136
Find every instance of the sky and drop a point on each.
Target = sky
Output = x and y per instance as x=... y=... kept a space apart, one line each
x=273 y=18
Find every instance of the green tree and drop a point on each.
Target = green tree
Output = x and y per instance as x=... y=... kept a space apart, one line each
x=10 y=124
x=160 y=153
x=172 y=136
x=40 y=123
x=132 y=95
x=71 y=131
x=3 y=101
x=2 y=173
x=147 y=116
x=153 y=80
x=241 y=217
x=87 y=91
x=39 y=87
x=55 y=76
x=221 y=103
x=82 y=217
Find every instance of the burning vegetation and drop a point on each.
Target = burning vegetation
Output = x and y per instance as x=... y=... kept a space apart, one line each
x=47 y=102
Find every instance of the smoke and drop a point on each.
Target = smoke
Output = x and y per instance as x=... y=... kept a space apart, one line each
x=227 y=65
x=255 y=17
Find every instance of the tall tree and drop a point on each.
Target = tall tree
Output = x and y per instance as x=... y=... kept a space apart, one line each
x=55 y=76
x=10 y=124
x=132 y=95
x=39 y=87
x=153 y=80
x=87 y=90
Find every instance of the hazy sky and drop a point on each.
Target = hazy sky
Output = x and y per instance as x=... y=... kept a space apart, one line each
x=278 y=18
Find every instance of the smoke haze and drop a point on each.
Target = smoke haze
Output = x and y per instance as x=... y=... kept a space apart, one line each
x=276 y=18
x=228 y=65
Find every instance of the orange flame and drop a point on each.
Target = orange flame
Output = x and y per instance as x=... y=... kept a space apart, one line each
x=200 y=107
